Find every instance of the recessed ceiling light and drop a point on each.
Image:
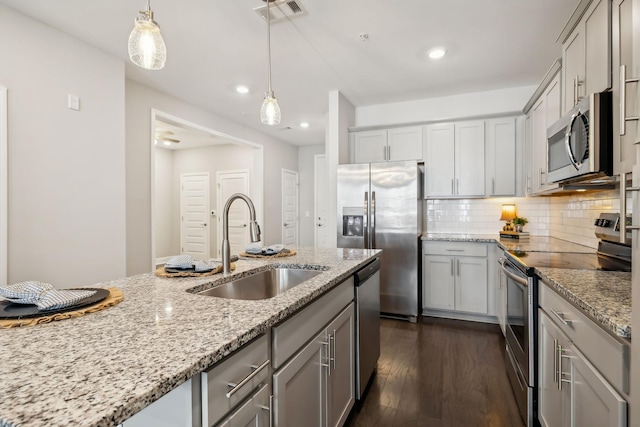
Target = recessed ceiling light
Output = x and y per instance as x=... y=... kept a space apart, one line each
x=304 y=125
x=242 y=89
x=167 y=143
x=437 y=53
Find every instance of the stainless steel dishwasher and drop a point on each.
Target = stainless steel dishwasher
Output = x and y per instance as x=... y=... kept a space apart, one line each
x=367 y=297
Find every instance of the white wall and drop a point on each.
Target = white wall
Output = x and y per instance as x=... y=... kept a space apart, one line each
x=468 y=105
x=212 y=160
x=140 y=100
x=306 y=159
x=67 y=168
x=166 y=221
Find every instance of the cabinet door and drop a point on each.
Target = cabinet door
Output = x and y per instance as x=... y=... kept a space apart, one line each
x=342 y=367
x=501 y=157
x=594 y=402
x=624 y=135
x=404 y=143
x=300 y=387
x=528 y=151
x=469 y=159
x=553 y=102
x=438 y=290
x=597 y=39
x=471 y=284
x=573 y=68
x=369 y=146
x=439 y=160
x=552 y=401
x=539 y=146
x=174 y=409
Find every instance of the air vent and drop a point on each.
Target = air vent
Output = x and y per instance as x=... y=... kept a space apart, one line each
x=281 y=10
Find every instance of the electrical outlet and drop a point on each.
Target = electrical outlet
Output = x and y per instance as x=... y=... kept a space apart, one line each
x=213 y=213
x=73 y=102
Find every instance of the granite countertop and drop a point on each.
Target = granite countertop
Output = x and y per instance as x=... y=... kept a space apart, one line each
x=99 y=369
x=605 y=296
x=532 y=244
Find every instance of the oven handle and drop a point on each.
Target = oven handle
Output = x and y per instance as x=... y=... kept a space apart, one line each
x=517 y=278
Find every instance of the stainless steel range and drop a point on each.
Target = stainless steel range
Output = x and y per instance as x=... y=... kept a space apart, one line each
x=522 y=302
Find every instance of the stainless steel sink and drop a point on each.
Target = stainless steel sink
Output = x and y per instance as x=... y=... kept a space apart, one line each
x=262 y=285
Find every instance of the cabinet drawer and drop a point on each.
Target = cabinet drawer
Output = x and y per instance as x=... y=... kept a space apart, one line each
x=608 y=355
x=217 y=381
x=293 y=333
x=455 y=249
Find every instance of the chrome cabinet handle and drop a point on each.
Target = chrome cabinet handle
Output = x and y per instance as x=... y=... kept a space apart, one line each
x=561 y=373
x=493 y=186
x=236 y=387
x=623 y=99
x=453 y=188
x=328 y=364
x=561 y=317
x=575 y=90
x=455 y=250
x=388 y=152
x=334 y=350
x=457 y=186
x=458 y=267
x=384 y=152
x=555 y=360
x=452 y=266
x=269 y=409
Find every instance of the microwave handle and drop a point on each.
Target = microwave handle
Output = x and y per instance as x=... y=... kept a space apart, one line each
x=567 y=140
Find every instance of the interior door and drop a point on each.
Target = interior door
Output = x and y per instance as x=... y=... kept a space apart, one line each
x=289 y=207
x=229 y=183
x=194 y=215
x=321 y=234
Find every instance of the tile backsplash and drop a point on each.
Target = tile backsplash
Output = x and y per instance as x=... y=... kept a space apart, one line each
x=569 y=218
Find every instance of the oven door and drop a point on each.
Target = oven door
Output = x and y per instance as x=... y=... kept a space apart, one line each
x=519 y=307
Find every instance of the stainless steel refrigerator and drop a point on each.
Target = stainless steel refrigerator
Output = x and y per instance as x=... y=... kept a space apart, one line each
x=380 y=207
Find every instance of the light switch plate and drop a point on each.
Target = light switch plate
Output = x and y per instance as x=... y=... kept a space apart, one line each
x=73 y=102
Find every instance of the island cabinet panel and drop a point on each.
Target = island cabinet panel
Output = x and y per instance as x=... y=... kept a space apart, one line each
x=174 y=409
x=314 y=361
x=455 y=280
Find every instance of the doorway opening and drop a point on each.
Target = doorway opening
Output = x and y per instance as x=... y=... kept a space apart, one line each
x=179 y=149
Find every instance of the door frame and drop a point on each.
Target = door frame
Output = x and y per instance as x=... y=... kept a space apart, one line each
x=208 y=210
x=220 y=203
x=258 y=169
x=4 y=188
x=297 y=175
x=315 y=195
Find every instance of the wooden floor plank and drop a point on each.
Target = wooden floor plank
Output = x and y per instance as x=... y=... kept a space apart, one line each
x=439 y=373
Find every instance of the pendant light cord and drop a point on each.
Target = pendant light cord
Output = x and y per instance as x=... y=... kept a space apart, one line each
x=268 y=42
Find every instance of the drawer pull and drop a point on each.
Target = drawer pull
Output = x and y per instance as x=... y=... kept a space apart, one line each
x=560 y=317
x=455 y=250
x=236 y=387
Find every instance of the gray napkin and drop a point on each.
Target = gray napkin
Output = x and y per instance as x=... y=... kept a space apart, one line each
x=43 y=295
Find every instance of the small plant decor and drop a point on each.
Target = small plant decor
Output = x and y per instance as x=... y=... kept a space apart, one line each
x=520 y=222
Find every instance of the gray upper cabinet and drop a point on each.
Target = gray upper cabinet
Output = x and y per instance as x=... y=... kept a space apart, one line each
x=384 y=145
x=501 y=157
x=625 y=87
x=586 y=55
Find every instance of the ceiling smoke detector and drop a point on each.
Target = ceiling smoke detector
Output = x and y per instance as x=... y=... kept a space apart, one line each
x=281 y=10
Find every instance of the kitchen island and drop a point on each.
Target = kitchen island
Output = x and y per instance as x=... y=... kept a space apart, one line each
x=100 y=369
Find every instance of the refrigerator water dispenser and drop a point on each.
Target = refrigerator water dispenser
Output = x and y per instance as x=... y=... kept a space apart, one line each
x=352 y=221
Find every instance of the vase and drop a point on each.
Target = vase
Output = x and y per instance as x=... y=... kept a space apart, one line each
x=519 y=228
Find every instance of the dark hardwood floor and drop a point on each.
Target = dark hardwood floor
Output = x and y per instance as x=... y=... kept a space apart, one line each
x=440 y=373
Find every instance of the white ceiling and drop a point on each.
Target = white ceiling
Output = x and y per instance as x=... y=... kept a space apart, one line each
x=215 y=44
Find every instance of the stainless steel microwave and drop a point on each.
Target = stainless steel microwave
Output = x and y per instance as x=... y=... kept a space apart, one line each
x=580 y=144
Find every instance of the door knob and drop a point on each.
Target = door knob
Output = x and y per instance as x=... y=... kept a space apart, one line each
x=285 y=224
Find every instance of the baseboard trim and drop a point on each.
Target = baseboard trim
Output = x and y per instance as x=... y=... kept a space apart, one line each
x=457 y=315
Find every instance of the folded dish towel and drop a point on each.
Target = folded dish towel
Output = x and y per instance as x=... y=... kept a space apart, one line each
x=255 y=249
x=204 y=266
x=180 y=261
x=43 y=295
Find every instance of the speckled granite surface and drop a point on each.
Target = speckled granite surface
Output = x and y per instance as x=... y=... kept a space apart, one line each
x=533 y=244
x=99 y=369
x=603 y=295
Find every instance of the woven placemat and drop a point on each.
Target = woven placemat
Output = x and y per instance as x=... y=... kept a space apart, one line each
x=161 y=272
x=283 y=254
x=115 y=296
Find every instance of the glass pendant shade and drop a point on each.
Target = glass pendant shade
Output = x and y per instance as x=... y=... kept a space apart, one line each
x=270 y=111
x=146 y=45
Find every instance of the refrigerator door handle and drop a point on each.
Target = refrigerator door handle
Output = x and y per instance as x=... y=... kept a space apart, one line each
x=365 y=220
x=373 y=220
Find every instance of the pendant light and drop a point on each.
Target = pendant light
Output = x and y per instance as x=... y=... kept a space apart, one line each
x=146 y=45
x=270 y=111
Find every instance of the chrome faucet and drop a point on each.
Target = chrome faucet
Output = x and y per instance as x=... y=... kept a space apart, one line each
x=254 y=228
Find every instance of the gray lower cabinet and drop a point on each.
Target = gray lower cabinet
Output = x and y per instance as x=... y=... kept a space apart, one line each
x=254 y=412
x=317 y=385
x=582 y=372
